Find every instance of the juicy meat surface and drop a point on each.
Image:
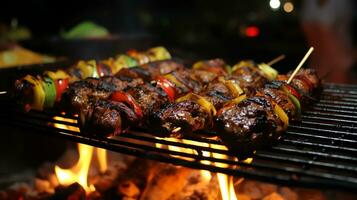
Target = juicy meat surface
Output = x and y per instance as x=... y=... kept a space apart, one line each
x=187 y=77
x=106 y=118
x=248 y=125
x=179 y=118
x=78 y=95
x=150 y=70
x=204 y=76
x=217 y=93
x=279 y=97
x=149 y=98
x=248 y=77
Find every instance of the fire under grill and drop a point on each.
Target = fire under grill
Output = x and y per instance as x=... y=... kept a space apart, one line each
x=320 y=151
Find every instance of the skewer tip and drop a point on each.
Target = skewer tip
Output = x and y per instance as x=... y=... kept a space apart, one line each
x=308 y=53
x=275 y=60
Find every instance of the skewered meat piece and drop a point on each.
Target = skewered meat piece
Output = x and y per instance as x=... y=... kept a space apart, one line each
x=280 y=97
x=79 y=93
x=150 y=99
x=106 y=118
x=218 y=93
x=248 y=75
x=248 y=125
x=178 y=119
x=151 y=70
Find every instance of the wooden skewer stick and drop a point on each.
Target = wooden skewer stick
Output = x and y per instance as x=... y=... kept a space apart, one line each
x=301 y=63
x=275 y=60
x=3 y=92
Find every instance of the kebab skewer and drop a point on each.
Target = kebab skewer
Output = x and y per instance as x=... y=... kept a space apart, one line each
x=194 y=112
x=260 y=120
x=137 y=104
x=262 y=117
x=38 y=92
x=132 y=106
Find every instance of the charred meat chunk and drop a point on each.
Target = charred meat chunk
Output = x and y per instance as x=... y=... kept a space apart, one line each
x=249 y=77
x=180 y=118
x=79 y=93
x=106 y=118
x=248 y=126
x=150 y=70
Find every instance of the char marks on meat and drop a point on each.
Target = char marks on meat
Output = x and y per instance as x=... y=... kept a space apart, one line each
x=78 y=95
x=218 y=94
x=248 y=125
x=248 y=77
x=106 y=118
x=185 y=117
x=150 y=70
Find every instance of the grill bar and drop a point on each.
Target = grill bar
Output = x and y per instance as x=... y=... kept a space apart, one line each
x=320 y=151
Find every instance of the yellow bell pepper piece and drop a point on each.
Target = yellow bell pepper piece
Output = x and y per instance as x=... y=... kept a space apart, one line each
x=198 y=65
x=88 y=69
x=267 y=71
x=158 y=53
x=174 y=80
x=59 y=74
x=207 y=105
x=243 y=63
x=123 y=61
x=281 y=114
x=236 y=100
x=38 y=93
x=232 y=86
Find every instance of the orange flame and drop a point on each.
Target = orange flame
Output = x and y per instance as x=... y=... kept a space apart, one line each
x=79 y=172
x=204 y=173
x=225 y=182
x=102 y=159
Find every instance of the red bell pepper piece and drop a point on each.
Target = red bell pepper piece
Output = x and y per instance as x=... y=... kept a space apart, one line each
x=293 y=91
x=61 y=85
x=103 y=70
x=305 y=80
x=167 y=87
x=127 y=98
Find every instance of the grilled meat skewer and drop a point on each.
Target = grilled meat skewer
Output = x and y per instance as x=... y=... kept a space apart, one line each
x=188 y=116
x=260 y=120
x=179 y=83
x=38 y=92
x=144 y=99
x=78 y=94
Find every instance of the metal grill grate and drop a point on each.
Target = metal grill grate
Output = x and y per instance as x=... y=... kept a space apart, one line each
x=320 y=151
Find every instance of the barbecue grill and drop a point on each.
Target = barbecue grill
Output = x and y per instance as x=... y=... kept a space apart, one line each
x=320 y=151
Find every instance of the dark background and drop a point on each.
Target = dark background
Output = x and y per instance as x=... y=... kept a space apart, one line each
x=205 y=28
